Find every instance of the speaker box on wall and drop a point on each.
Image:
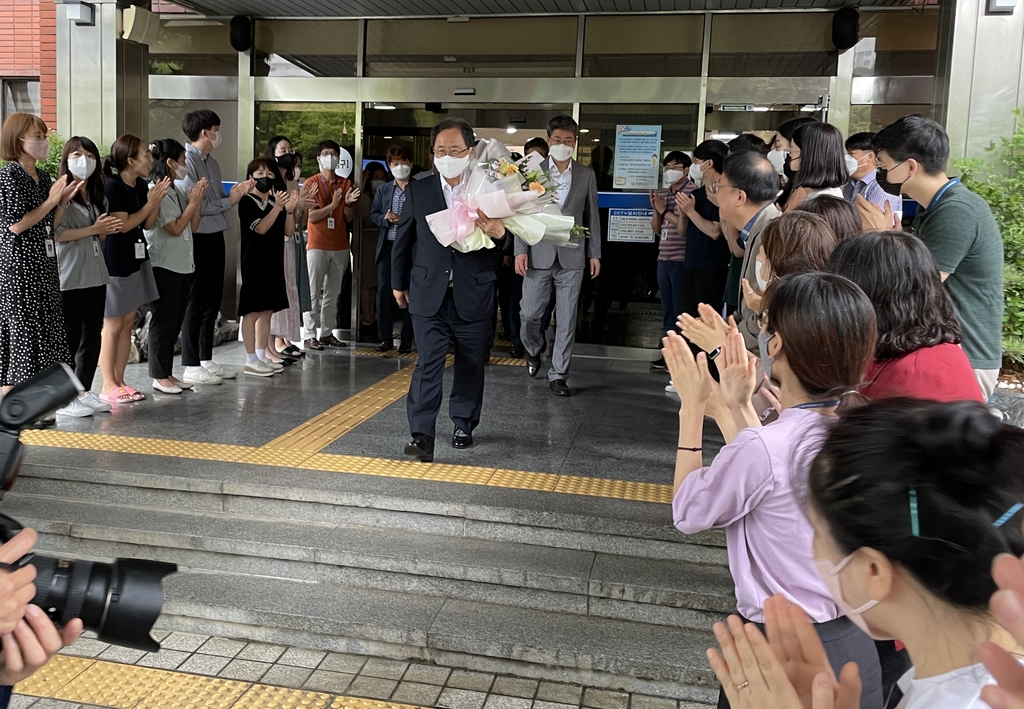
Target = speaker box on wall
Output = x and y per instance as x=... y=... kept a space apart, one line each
x=845 y=28
x=241 y=33
x=139 y=25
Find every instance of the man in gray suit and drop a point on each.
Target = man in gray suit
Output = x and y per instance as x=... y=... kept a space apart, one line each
x=543 y=265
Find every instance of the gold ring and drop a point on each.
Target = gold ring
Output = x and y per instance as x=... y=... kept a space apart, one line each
x=741 y=686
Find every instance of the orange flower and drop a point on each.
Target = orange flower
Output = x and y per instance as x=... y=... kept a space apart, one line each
x=507 y=169
x=537 y=187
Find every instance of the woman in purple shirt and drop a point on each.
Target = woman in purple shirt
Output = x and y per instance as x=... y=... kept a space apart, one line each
x=817 y=337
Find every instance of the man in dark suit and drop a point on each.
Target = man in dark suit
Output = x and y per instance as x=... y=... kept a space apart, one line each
x=564 y=266
x=449 y=294
x=388 y=204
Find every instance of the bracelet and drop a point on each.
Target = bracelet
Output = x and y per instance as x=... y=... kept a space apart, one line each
x=714 y=353
x=695 y=450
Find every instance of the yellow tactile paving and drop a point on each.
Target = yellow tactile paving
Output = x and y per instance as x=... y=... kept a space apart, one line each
x=56 y=674
x=337 y=463
x=396 y=468
x=524 y=480
x=184 y=691
x=112 y=685
x=393 y=354
x=620 y=489
x=356 y=703
x=262 y=696
x=134 y=444
x=458 y=474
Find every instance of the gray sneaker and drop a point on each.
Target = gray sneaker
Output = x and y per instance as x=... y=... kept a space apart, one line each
x=76 y=409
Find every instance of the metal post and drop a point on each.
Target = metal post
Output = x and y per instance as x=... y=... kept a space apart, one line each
x=705 y=64
x=840 y=88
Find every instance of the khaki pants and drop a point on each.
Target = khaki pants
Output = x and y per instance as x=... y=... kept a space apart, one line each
x=326 y=272
x=987 y=379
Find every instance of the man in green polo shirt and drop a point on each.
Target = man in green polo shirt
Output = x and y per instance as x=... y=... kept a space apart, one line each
x=958 y=228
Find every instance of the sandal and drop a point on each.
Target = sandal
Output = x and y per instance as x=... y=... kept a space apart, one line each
x=118 y=396
x=293 y=351
x=136 y=395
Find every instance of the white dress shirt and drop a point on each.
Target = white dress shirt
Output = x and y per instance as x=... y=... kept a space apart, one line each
x=562 y=181
x=450 y=193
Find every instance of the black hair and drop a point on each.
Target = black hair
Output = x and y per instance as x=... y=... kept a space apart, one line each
x=714 y=150
x=162 y=151
x=448 y=124
x=327 y=145
x=678 y=156
x=563 y=123
x=261 y=161
x=748 y=141
x=372 y=167
x=94 y=183
x=288 y=162
x=537 y=143
x=924 y=483
x=822 y=158
x=898 y=273
x=861 y=141
x=751 y=172
x=272 y=145
x=841 y=215
x=787 y=129
x=516 y=156
x=917 y=138
x=196 y=122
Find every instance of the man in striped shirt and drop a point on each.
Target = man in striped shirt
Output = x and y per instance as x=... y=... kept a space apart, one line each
x=864 y=181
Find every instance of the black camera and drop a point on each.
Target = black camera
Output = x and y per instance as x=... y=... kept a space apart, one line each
x=119 y=601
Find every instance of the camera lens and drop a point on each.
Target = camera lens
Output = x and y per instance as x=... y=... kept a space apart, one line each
x=118 y=601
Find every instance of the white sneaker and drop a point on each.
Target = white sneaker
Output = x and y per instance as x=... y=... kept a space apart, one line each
x=258 y=369
x=94 y=403
x=172 y=389
x=200 y=376
x=670 y=389
x=219 y=371
x=276 y=366
x=77 y=409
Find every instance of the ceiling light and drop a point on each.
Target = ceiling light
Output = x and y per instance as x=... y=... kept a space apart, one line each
x=597 y=140
x=511 y=130
x=383 y=107
x=723 y=136
x=388 y=137
x=809 y=108
x=584 y=130
x=761 y=109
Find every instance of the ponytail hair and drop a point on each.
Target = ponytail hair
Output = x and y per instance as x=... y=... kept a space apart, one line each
x=162 y=151
x=125 y=147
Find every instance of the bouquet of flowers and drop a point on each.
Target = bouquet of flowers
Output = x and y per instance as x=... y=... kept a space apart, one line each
x=520 y=195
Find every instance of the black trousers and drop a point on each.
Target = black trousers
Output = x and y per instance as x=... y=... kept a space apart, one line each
x=845 y=642
x=168 y=316
x=703 y=285
x=204 y=299
x=83 y=323
x=386 y=301
x=427 y=388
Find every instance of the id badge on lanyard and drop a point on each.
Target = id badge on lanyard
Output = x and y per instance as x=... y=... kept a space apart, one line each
x=51 y=250
x=331 y=223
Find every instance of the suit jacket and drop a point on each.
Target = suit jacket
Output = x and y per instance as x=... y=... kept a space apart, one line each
x=381 y=206
x=420 y=265
x=581 y=204
x=747 y=321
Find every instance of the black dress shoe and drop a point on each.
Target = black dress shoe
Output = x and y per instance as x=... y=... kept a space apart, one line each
x=422 y=448
x=461 y=439
x=313 y=344
x=517 y=352
x=532 y=364
x=385 y=346
x=332 y=341
x=559 y=387
x=405 y=347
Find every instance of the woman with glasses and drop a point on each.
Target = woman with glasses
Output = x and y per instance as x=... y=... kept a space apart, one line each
x=817 y=338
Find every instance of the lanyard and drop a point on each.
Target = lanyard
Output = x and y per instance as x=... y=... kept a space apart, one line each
x=938 y=195
x=819 y=404
x=323 y=184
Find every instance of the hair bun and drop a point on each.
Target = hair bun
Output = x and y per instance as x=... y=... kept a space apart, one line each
x=958 y=442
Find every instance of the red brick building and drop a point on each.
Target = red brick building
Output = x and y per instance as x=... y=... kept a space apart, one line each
x=28 y=58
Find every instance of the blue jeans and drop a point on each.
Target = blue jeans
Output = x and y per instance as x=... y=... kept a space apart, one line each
x=670 y=283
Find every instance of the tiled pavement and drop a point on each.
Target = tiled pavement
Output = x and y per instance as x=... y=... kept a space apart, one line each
x=408 y=683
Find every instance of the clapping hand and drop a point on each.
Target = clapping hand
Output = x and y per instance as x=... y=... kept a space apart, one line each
x=709 y=331
x=1007 y=606
x=352 y=197
x=106 y=224
x=690 y=377
x=737 y=372
x=684 y=203
x=240 y=190
x=158 y=191
x=66 y=192
x=195 y=195
x=658 y=202
x=280 y=199
x=876 y=218
x=291 y=200
x=753 y=299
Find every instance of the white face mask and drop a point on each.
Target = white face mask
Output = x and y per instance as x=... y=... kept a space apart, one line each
x=328 y=162
x=851 y=164
x=180 y=172
x=451 y=167
x=778 y=160
x=672 y=176
x=401 y=172
x=696 y=172
x=830 y=575
x=215 y=140
x=559 y=152
x=82 y=167
x=762 y=282
x=38 y=148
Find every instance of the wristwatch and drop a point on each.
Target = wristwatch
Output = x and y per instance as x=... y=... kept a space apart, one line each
x=714 y=353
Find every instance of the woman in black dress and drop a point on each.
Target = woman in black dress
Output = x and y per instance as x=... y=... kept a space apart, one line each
x=266 y=218
x=31 y=319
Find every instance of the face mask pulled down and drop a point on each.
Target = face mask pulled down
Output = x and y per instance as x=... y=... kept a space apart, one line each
x=830 y=575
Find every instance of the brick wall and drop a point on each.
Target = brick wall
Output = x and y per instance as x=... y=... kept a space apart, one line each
x=28 y=48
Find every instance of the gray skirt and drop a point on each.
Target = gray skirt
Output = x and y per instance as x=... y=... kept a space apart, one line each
x=128 y=294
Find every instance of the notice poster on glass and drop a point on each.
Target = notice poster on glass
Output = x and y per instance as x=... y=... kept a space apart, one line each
x=630 y=225
x=636 y=157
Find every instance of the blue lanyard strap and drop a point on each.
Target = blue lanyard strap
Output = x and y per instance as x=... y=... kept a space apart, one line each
x=819 y=404
x=938 y=195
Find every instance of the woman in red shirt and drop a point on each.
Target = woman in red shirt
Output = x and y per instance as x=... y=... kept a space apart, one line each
x=918 y=353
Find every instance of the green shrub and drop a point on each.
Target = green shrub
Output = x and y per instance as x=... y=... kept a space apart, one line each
x=999 y=178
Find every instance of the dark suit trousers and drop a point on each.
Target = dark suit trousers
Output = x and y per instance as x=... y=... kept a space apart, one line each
x=425 y=392
x=386 y=300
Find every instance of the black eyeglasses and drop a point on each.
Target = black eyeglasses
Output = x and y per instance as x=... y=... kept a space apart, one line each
x=762 y=320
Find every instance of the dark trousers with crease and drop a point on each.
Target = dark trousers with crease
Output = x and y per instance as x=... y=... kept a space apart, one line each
x=386 y=301
x=204 y=299
x=83 y=322
x=433 y=335
x=168 y=316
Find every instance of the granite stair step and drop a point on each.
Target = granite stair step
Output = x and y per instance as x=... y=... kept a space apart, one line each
x=593 y=524
x=555 y=646
x=507 y=573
